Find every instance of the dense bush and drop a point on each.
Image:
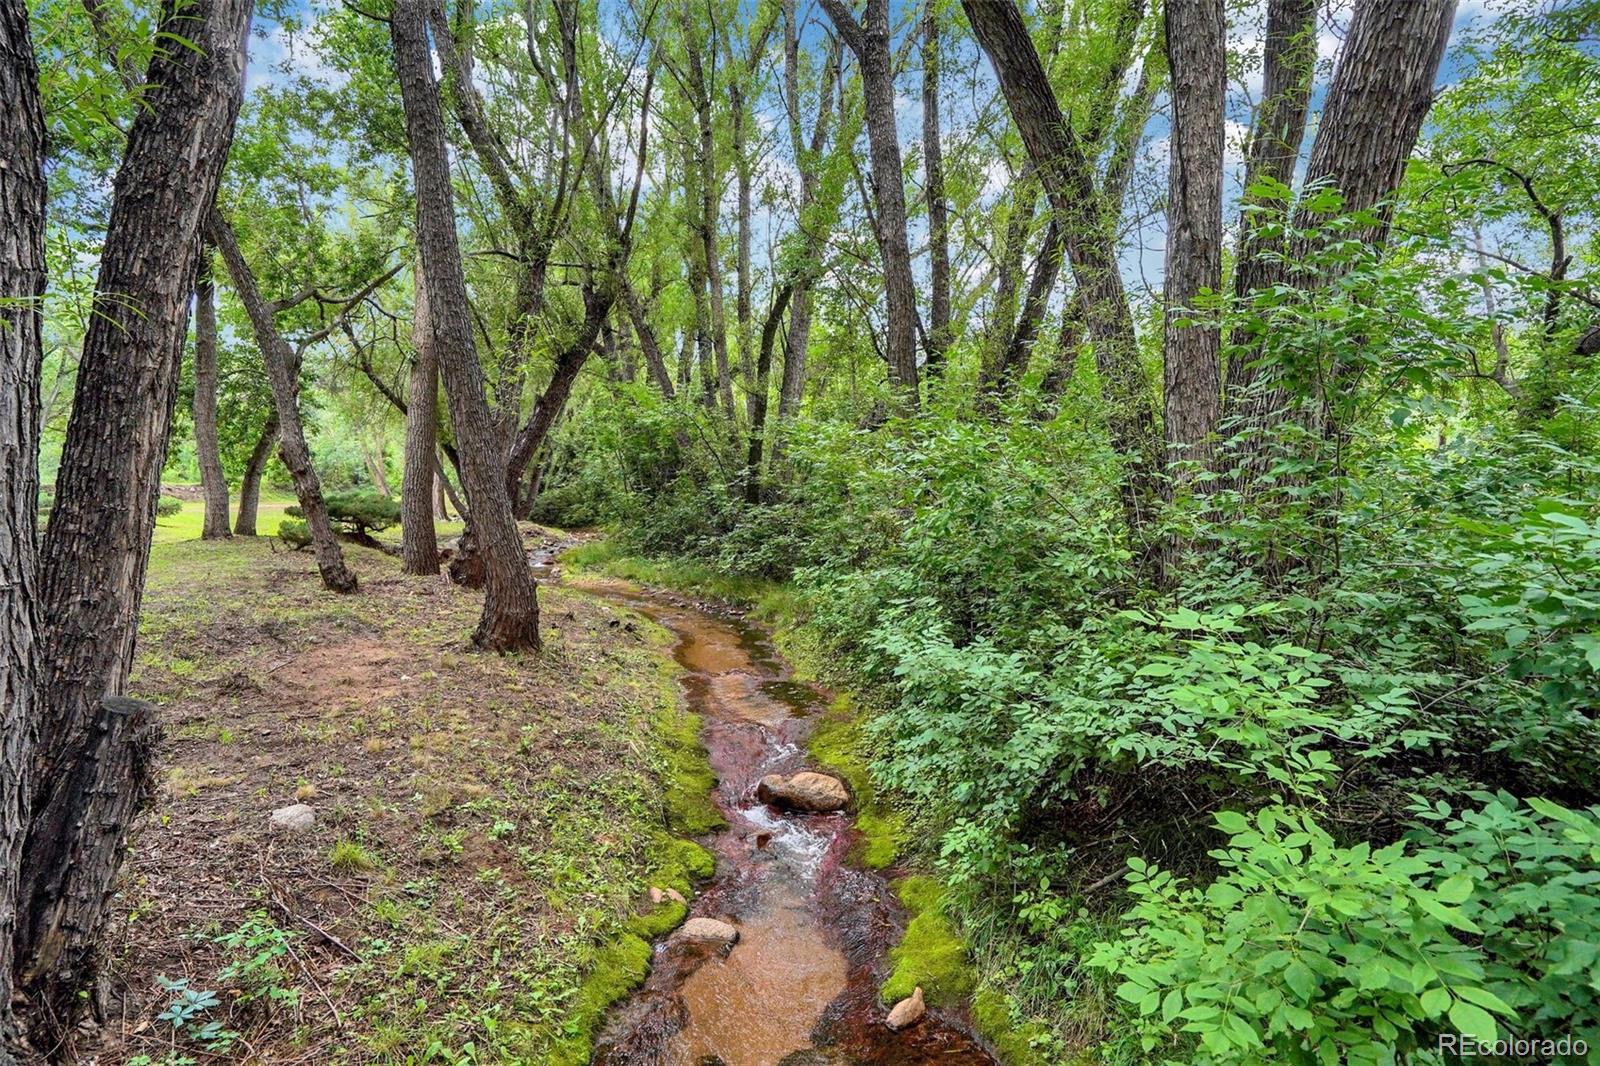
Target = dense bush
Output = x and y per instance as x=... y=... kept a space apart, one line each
x=167 y=506
x=358 y=512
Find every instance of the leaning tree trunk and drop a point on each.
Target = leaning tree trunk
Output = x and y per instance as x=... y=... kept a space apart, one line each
x=419 y=546
x=510 y=617
x=207 y=450
x=758 y=411
x=1196 y=34
x=283 y=371
x=93 y=751
x=1069 y=181
x=250 y=483
x=22 y=285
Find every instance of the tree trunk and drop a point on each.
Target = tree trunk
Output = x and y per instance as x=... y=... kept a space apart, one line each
x=1196 y=36
x=22 y=286
x=710 y=227
x=1069 y=183
x=283 y=371
x=250 y=483
x=98 y=541
x=742 y=297
x=419 y=546
x=1380 y=95
x=870 y=41
x=441 y=509
x=510 y=618
x=208 y=451
x=648 y=344
x=758 y=413
x=938 y=208
x=1274 y=148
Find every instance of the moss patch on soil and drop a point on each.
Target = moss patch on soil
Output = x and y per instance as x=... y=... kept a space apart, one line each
x=487 y=826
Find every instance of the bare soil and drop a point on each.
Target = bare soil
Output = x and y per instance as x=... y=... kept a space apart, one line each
x=484 y=823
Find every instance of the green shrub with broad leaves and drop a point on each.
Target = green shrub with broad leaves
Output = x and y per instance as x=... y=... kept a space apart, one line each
x=1305 y=951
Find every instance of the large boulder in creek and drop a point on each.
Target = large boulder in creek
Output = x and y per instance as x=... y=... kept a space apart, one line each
x=805 y=791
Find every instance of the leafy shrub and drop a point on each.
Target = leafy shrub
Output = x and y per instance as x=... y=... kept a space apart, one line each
x=1306 y=951
x=168 y=506
x=295 y=533
x=358 y=512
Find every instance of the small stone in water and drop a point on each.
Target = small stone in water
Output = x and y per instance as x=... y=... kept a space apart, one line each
x=907 y=1011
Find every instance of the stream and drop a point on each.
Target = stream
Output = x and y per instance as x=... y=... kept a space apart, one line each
x=800 y=987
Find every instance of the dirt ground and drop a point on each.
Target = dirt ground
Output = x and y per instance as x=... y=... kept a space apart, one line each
x=484 y=824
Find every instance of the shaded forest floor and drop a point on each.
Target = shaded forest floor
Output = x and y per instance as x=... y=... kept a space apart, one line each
x=485 y=825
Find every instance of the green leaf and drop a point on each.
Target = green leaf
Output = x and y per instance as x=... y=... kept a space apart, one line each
x=1474 y=1021
x=1171 y=1006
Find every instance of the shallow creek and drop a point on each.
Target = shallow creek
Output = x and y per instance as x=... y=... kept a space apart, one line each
x=800 y=988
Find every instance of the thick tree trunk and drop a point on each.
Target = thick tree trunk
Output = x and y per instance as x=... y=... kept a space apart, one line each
x=283 y=371
x=510 y=618
x=870 y=41
x=98 y=541
x=250 y=483
x=1069 y=183
x=938 y=207
x=208 y=450
x=1196 y=34
x=1380 y=95
x=22 y=286
x=419 y=546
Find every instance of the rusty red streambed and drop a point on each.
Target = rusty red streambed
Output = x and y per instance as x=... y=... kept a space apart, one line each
x=801 y=986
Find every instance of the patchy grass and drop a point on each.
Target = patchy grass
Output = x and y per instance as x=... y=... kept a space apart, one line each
x=487 y=826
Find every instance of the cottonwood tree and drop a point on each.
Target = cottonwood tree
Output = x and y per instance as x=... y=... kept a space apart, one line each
x=1196 y=36
x=94 y=748
x=1382 y=88
x=283 y=363
x=419 y=546
x=208 y=451
x=22 y=286
x=869 y=40
x=510 y=618
x=1069 y=182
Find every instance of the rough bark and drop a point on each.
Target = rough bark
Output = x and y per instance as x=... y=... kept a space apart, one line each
x=510 y=618
x=283 y=371
x=207 y=449
x=250 y=483
x=419 y=546
x=938 y=207
x=22 y=285
x=1380 y=95
x=1070 y=185
x=869 y=40
x=98 y=541
x=1192 y=393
